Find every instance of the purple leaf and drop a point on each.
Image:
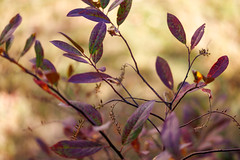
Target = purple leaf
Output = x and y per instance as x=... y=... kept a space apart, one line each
x=97 y=56
x=75 y=57
x=218 y=67
x=123 y=11
x=89 y=13
x=89 y=2
x=115 y=4
x=89 y=111
x=102 y=69
x=89 y=77
x=176 y=28
x=76 y=149
x=73 y=42
x=96 y=39
x=43 y=146
x=10 y=28
x=104 y=3
x=65 y=47
x=171 y=134
x=164 y=72
x=39 y=53
x=46 y=65
x=28 y=44
x=197 y=36
x=135 y=122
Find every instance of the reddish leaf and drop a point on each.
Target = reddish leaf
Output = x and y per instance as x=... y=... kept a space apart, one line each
x=43 y=146
x=104 y=3
x=39 y=53
x=171 y=134
x=197 y=36
x=97 y=56
x=218 y=67
x=89 y=77
x=73 y=42
x=89 y=13
x=136 y=145
x=76 y=149
x=10 y=28
x=75 y=57
x=46 y=65
x=115 y=4
x=176 y=28
x=28 y=43
x=96 y=38
x=123 y=11
x=65 y=47
x=164 y=72
x=135 y=122
x=208 y=92
x=52 y=77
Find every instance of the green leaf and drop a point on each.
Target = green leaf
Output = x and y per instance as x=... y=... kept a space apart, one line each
x=28 y=44
x=123 y=11
x=104 y=3
x=39 y=53
x=135 y=122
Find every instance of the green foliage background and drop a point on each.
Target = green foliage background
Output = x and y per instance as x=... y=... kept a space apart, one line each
x=23 y=104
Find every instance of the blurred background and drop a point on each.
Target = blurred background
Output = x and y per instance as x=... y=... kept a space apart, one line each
x=26 y=112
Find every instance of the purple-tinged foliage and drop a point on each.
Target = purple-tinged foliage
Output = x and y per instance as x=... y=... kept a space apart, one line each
x=96 y=39
x=65 y=47
x=104 y=3
x=28 y=44
x=115 y=4
x=73 y=42
x=165 y=155
x=123 y=11
x=171 y=135
x=135 y=122
x=76 y=149
x=89 y=2
x=10 y=28
x=45 y=66
x=75 y=57
x=98 y=55
x=39 y=53
x=197 y=36
x=92 y=14
x=164 y=72
x=89 y=77
x=43 y=146
x=9 y=43
x=218 y=67
x=176 y=28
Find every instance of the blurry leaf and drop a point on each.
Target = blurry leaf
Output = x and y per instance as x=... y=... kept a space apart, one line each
x=102 y=69
x=188 y=88
x=136 y=145
x=164 y=72
x=218 y=67
x=89 y=111
x=197 y=76
x=123 y=11
x=28 y=44
x=163 y=156
x=176 y=28
x=43 y=146
x=96 y=39
x=9 y=43
x=115 y=4
x=76 y=149
x=39 y=53
x=89 y=13
x=208 y=92
x=45 y=87
x=102 y=127
x=135 y=122
x=89 y=77
x=75 y=57
x=10 y=28
x=89 y=2
x=65 y=47
x=73 y=42
x=45 y=66
x=189 y=113
x=208 y=79
x=70 y=70
x=171 y=134
x=197 y=36
x=97 y=56
x=52 y=77
x=104 y=3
